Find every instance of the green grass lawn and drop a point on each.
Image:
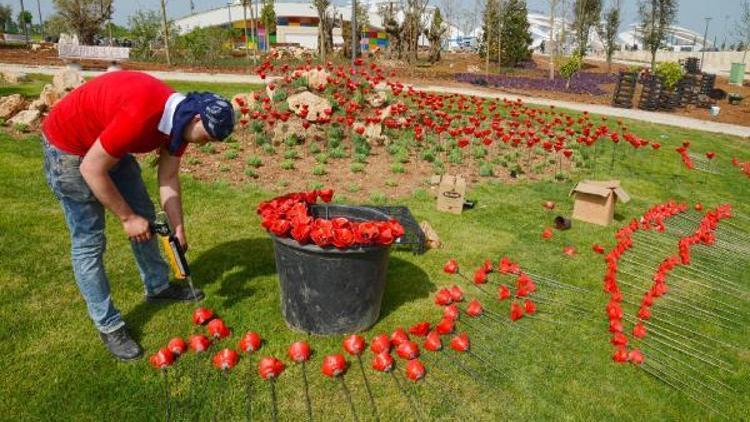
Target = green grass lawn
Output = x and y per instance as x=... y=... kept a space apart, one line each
x=55 y=367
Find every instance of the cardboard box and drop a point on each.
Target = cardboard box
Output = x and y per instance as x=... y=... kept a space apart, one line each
x=451 y=194
x=595 y=201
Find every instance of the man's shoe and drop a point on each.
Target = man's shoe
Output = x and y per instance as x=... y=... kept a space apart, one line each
x=120 y=344
x=176 y=292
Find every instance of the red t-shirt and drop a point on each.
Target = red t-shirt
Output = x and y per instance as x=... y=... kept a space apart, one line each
x=122 y=109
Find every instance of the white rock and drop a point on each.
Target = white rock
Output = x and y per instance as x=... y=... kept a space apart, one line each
x=66 y=80
x=316 y=106
x=26 y=117
x=13 y=77
x=10 y=105
x=317 y=79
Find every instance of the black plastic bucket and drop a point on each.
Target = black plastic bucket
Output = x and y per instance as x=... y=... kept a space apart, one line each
x=330 y=290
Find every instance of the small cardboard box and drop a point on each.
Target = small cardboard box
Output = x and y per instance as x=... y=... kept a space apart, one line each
x=595 y=201
x=451 y=194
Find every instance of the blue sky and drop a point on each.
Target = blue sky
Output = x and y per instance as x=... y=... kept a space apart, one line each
x=691 y=15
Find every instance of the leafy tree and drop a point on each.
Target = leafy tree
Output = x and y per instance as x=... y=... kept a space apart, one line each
x=268 y=18
x=85 y=17
x=413 y=27
x=587 y=14
x=656 y=18
x=325 y=27
x=435 y=35
x=56 y=25
x=608 y=33
x=492 y=20
x=515 y=38
x=145 y=29
x=203 y=45
x=6 y=14
x=572 y=66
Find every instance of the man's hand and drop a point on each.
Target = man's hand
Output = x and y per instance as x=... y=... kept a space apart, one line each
x=137 y=228
x=179 y=233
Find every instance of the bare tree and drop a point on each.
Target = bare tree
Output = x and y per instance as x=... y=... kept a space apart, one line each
x=743 y=28
x=608 y=32
x=166 y=30
x=325 y=27
x=587 y=15
x=85 y=17
x=552 y=47
x=435 y=35
x=656 y=18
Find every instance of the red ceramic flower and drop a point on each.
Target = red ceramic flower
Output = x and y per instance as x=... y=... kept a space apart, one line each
x=202 y=315
x=433 y=342
x=382 y=362
x=474 y=309
x=445 y=326
x=621 y=355
x=456 y=293
x=451 y=312
x=443 y=297
x=420 y=329
x=415 y=370
x=399 y=336
x=270 y=368
x=250 y=342
x=619 y=339
x=177 y=346
x=226 y=359
x=529 y=307
x=598 y=248
x=333 y=365
x=710 y=155
x=699 y=207
x=503 y=292
x=354 y=345
x=460 y=343
x=162 y=358
x=615 y=326
x=635 y=356
x=480 y=276
x=516 y=311
x=217 y=329
x=569 y=250
x=639 y=330
x=380 y=343
x=547 y=233
x=326 y=195
x=199 y=343
x=408 y=350
x=299 y=351
x=451 y=267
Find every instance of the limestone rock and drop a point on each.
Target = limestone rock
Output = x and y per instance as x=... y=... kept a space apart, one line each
x=13 y=77
x=243 y=100
x=10 y=105
x=376 y=99
x=26 y=118
x=317 y=79
x=67 y=80
x=49 y=96
x=309 y=106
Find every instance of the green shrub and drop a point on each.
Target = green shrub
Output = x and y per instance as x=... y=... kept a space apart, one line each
x=357 y=167
x=224 y=168
x=287 y=164
x=257 y=126
x=319 y=170
x=428 y=155
x=254 y=161
x=360 y=158
x=398 y=168
x=571 y=67
x=269 y=149
x=378 y=198
x=321 y=158
x=671 y=72
x=261 y=139
x=250 y=172
x=338 y=153
x=193 y=161
x=455 y=156
x=291 y=140
x=313 y=148
x=230 y=154
x=391 y=183
x=208 y=148
x=485 y=170
x=290 y=154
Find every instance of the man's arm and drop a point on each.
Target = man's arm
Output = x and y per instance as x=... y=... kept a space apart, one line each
x=170 y=193
x=95 y=168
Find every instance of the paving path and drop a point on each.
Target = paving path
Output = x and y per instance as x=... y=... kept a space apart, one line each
x=648 y=116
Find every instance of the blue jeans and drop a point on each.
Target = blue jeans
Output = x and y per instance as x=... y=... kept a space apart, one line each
x=84 y=215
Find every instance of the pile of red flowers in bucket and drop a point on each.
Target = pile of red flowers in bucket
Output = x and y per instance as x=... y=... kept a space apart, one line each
x=290 y=216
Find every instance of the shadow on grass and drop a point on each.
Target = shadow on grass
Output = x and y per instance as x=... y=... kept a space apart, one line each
x=237 y=263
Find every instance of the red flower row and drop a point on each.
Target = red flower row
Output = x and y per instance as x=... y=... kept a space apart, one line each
x=289 y=216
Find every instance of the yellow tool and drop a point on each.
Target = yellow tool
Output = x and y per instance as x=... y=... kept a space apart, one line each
x=174 y=252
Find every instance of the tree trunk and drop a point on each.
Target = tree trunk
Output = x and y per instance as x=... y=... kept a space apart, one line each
x=166 y=30
x=253 y=32
x=551 y=48
x=244 y=28
x=23 y=22
x=41 y=21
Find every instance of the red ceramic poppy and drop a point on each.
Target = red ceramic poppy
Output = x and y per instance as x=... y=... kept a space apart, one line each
x=250 y=342
x=644 y=313
x=162 y=358
x=382 y=362
x=451 y=312
x=699 y=207
x=408 y=350
x=598 y=248
x=177 y=346
x=569 y=250
x=326 y=195
x=710 y=155
x=399 y=336
x=199 y=343
x=380 y=343
x=619 y=339
x=433 y=342
x=443 y=297
x=516 y=311
x=445 y=326
x=226 y=359
x=202 y=315
x=456 y=293
x=474 y=309
x=451 y=267
x=529 y=307
x=420 y=329
x=621 y=355
x=460 y=343
x=615 y=326
x=333 y=365
x=547 y=233
x=270 y=368
x=503 y=292
x=299 y=351
x=415 y=370
x=354 y=345
x=635 y=356
x=549 y=205
x=217 y=329
x=639 y=330
x=480 y=276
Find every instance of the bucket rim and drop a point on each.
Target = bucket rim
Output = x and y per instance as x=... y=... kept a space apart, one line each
x=331 y=250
